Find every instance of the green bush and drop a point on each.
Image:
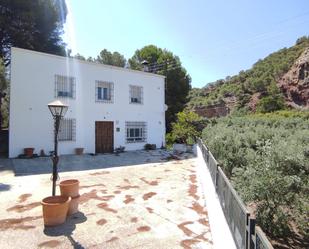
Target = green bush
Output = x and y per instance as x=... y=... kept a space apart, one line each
x=270 y=104
x=169 y=140
x=187 y=127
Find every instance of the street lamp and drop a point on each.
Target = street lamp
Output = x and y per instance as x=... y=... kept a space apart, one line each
x=58 y=110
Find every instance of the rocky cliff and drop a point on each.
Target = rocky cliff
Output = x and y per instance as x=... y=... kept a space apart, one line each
x=295 y=83
x=212 y=111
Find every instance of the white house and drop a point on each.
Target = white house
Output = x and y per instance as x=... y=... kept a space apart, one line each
x=108 y=106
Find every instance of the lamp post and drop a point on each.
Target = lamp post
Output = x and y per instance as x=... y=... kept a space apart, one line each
x=58 y=110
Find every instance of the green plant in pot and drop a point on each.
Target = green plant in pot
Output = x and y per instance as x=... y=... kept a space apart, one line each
x=184 y=131
x=55 y=207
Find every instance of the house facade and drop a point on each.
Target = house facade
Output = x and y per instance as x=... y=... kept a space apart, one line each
x=108 y=106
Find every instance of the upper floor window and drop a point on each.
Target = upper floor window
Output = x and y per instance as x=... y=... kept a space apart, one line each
x=104 y=92
x=136 y=94
x=64 y=87
x=67 y=130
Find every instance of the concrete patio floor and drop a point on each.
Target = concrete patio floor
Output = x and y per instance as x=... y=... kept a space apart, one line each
x=152 y=205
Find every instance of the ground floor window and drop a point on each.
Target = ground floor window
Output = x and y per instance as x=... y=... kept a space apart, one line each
x=67 y=130
x=136 y=132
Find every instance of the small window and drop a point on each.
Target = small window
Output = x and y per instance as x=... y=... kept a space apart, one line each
x=67 y=130
x=136 y=94
x=136 y=132
x=64 y=87
x=104 y=92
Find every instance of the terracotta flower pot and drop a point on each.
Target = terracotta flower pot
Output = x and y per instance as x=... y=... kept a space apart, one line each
x=55 y=209
x=79 y=151
x=73 y=207
x=28 y=152
x=69 y=188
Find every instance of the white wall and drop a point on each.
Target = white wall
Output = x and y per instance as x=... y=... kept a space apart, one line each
x=33 y=87
x=221 y=234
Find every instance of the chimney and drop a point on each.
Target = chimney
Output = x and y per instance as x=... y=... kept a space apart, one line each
x=145 y=65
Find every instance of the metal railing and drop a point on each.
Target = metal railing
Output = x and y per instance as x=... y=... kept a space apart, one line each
x=244 y=231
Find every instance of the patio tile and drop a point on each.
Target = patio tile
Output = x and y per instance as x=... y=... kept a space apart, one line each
x=150 y=205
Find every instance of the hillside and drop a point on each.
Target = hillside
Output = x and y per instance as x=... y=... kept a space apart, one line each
x=279 y=81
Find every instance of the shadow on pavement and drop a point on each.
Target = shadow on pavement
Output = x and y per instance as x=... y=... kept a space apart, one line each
x=88 y=162
x=4 y=187
x=67 y=229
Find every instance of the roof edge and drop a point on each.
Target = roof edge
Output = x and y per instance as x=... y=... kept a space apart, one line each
x=88 y=62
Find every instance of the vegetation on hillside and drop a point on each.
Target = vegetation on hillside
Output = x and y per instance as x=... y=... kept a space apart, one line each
x=261 y=79
x=267 y=158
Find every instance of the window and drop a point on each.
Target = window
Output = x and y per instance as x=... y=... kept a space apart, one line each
x=136 y=132
x=64 y=87
x=104 y=92
x=136 y=94
x=67 y=130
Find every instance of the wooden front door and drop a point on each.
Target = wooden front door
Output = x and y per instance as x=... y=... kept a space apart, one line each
x=104 y=136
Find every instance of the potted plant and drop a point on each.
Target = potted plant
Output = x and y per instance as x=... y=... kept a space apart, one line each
x=55 y=208
x=119 y=149
x=28 y=152
x=79 y=151
x=189 y=144
x=184 y=131
x=150 y=147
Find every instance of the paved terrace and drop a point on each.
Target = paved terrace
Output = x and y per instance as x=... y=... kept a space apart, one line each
x=153 y=203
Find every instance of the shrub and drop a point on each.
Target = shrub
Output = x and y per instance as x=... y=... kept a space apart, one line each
x=186 y=128
x=270 y=104
x=266 y=157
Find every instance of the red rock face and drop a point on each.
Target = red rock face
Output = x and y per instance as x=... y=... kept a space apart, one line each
x=253 y=101
x=295 y=83
x=212 y=111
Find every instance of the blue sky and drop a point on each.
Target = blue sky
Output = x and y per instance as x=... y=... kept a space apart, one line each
x=213 y=39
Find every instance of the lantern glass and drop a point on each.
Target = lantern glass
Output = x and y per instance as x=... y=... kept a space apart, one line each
x=57 y=108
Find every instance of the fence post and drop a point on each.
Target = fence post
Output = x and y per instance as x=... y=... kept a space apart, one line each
x=216 y=178
x=251 y=233
x=247 y=231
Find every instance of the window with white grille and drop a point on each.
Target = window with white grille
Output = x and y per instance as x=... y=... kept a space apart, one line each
x=136 y=94
x=136 y=132
x=104 y=92
x=67 y=130
x=64 y=87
